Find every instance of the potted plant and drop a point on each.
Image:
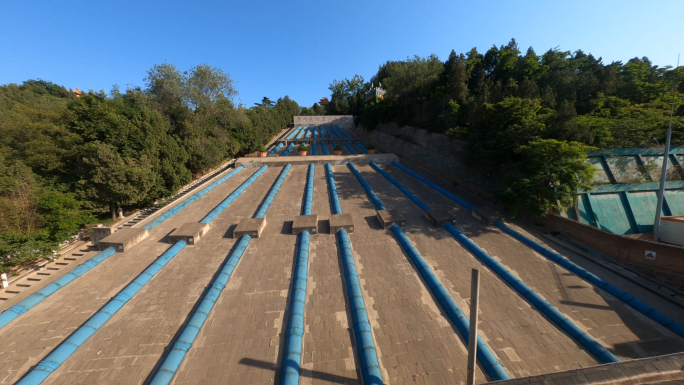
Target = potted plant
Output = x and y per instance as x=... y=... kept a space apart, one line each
x=261 y=151
x=302 y=149
x=370 y=147
x=338 y=149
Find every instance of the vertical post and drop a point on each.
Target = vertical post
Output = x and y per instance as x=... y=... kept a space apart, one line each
x=4 y=280
x=472 y=340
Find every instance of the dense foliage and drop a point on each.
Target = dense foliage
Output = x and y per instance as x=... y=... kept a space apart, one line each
x=510 y=106
x=68 y=161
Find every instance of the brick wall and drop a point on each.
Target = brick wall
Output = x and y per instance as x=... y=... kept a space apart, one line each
x=668 y=267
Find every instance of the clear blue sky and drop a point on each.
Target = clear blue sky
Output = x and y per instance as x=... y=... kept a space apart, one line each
x=296 y=48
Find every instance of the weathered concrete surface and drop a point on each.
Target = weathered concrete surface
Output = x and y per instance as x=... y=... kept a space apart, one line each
x=341 y=221
x=250 y=226
x=441 y=215
x=124 y=239
x=667 y=369
x=486 y=214
x=189 y=232
x=281 y=161
x=305 y=223
x=390 y=217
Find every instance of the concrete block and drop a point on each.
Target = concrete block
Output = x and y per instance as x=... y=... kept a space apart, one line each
x=390 y=217
x=441 y=215
x=250 y=226
x=305 y=223
x=99 y=233
x=486 y=214
x=341 y=221
x=124 y=239
x=189 y=232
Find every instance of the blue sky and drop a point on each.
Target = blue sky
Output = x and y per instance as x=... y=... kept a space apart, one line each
x=277 y=48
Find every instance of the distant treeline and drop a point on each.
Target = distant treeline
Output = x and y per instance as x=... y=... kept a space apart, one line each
x=67 y=161
x=528 y=119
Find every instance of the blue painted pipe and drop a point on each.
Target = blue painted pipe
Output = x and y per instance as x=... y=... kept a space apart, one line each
x=332 y=188
x=401 y=187
x=434 y=186
x=294 y=132
x=34 y=299
x=334 y=131
x=361 y=147
x=620 y=294
x=371 y=194
x=324 y=148
x=295 y=331
x=272 y=192
x=351 y=150
x=308 y=194
x=222 y=206
x=327 y=128
x=544 y=306
x=53 y=361
x=288 y=149
x=342 y=131
x=362 y=329
x=301 y=133
x=278 y=147
x=180 y=348
x=313 y=148
x=489 y=361
x=370 y=366
x=315 y=132
x=308 y=132
x=172 y=211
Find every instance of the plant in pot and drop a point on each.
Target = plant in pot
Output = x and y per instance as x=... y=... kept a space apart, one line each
x=370 y=147
x=338 y=149
x=261 y=151
x=302 y=149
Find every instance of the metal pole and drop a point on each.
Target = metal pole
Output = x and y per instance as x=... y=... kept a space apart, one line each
x=663 y=174
x=472 y=340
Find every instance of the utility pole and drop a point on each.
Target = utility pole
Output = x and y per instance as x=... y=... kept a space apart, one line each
x=663 y=174
x=472 y=338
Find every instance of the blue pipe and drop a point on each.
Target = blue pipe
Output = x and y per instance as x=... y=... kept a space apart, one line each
x=351 y=150
x=308 y=132
x=620 y=294
x=295 y=331
x=222 y=206
x=374 y=198
x=335 y=132
x=53 y=361
x=272 y=192
x=342 y=131
x=288 y=149
x=332 y=188
x=315 y=132
x=489 y=361
x=169 y=213
x=324 y=148
x=320 y=132
x=294 y=132
x=361 y=147
x=301 y=133
x=327 y=128
x=370 y=366
x=180 y=348
x=313 y=148
x=434 y=186
x=278 y=147
x=544 y=306
x=34 y=299
x=308 y=194
x=401 y=187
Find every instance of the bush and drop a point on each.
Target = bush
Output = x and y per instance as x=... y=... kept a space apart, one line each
x=370 y=146
x=339 y=147
x=302 y=147
x=262 y=148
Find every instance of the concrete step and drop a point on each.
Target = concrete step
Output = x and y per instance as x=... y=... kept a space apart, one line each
x=69 y=258
x=53 y=268
x=13 y=291
x=44 y=272
x=62 y=263
x=34 y=279
x=23 y=285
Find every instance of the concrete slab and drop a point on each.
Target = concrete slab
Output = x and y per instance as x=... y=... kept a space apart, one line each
x=281 y=161
x=99 y=233
x=250 y=226
x=341 y=221
x=189 y=232
x=124 y=239
x=305 y=223
x=441 y=215
x=486 y=214
x=390 y=217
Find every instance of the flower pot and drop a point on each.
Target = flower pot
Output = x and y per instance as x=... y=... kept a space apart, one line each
x=262 y=154
x=302 y=153
x=337 y=152
x=371 y=150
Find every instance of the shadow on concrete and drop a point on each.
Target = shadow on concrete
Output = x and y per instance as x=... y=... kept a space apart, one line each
x=373 y=222
x=314 y=374
x=229 y=232
x=323 y=226
x=287 y=228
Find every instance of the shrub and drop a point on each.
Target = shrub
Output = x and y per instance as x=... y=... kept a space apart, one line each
x=302 y=147
x=262 y=148
x=370 y=146
x=339 y=147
